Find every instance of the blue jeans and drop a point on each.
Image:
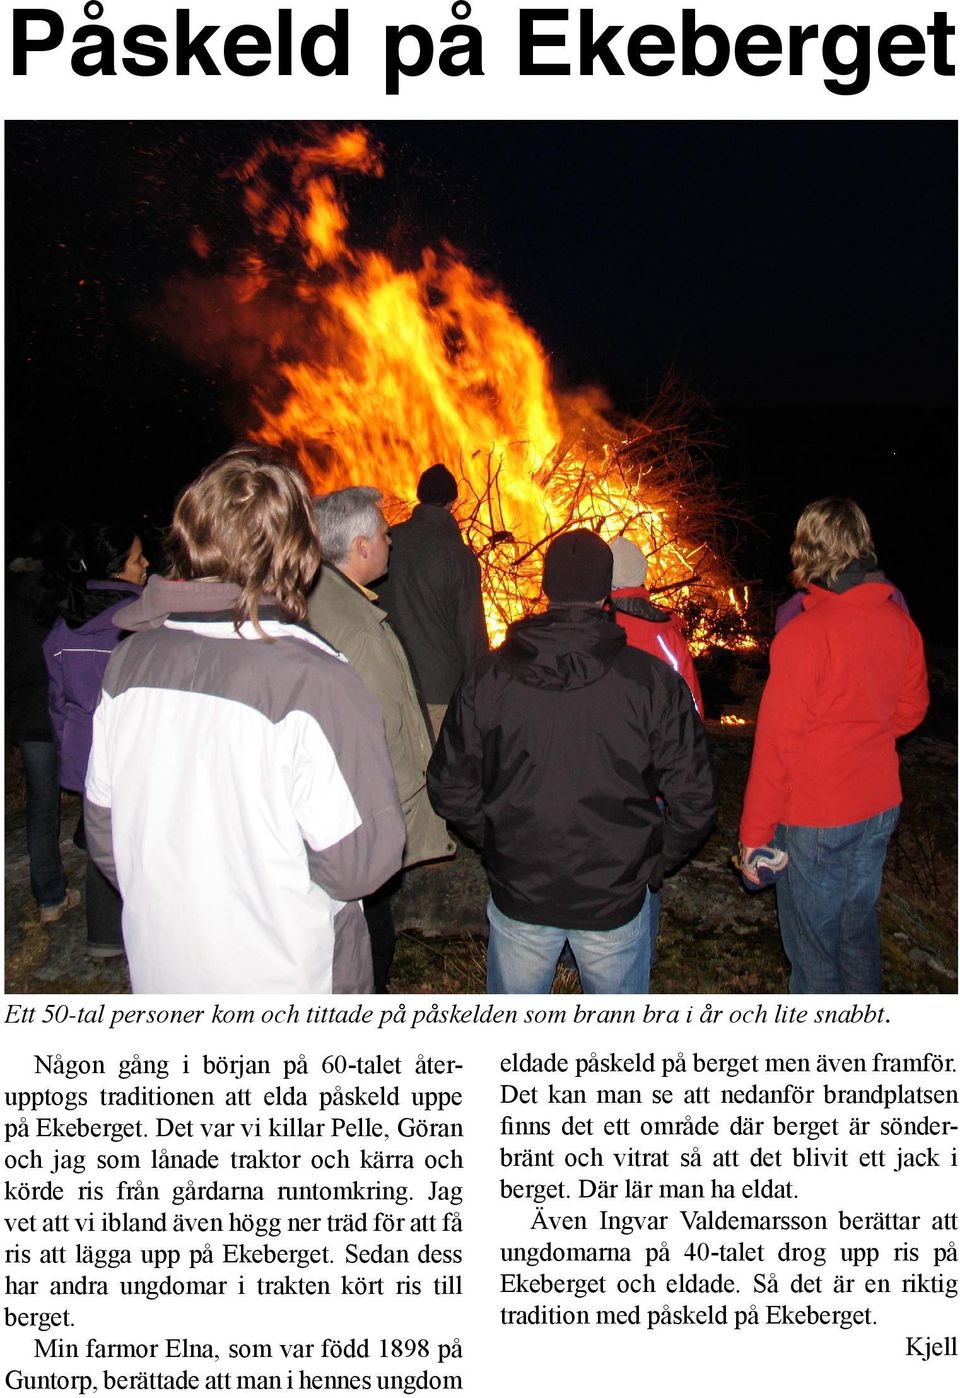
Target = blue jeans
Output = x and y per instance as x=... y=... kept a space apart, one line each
x=827 y=904
x=522 y=956
x=48 y=882
x=651 y=911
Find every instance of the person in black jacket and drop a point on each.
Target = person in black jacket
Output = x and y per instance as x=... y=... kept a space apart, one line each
x=550 y=760
x=432 y=593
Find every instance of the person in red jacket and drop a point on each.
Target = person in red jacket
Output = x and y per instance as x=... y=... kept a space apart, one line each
x=847 y=678
x=657 y=631
x=648 y=627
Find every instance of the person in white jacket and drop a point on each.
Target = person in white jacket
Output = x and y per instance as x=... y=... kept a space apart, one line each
x=239 y=791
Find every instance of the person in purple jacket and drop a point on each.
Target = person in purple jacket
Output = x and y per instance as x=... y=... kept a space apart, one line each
x=76 y=652
x=36 y=582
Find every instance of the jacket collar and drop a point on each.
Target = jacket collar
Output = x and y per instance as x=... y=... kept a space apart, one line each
x=163 y=597
x=635 y=601
x=858 y=571
x=114 y=585
x=334 y=573
x=437 y=515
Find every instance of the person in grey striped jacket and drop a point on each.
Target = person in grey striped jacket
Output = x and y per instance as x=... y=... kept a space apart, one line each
x=239 y=791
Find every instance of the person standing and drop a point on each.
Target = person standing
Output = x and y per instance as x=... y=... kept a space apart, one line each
x=649 y=627
x=432 y=593
x=847 y=678
x=239 y=791
x=76 y=651
x=550 y=761
x=355 y=547
x=657 y=631
x=34 y=592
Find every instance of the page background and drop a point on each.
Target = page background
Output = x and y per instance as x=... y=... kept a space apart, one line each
x=724 y=1362
x=511 y=1359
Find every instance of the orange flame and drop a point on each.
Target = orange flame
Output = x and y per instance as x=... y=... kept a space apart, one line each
x=370 y=372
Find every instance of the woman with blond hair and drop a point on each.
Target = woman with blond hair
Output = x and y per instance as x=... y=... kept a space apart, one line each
x=239 y=791
x=847 y=678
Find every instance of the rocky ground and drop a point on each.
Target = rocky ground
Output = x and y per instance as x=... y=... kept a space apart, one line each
x=714 y=939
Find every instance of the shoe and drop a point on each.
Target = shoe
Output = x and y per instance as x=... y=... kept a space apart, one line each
x=100 y=952
x=53 y=912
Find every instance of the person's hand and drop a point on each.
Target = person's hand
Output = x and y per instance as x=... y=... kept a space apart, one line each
x=746 y=870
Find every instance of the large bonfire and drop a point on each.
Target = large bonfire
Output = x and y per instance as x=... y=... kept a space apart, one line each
x=369 y=372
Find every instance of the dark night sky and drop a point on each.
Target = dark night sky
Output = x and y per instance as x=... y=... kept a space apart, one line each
x=797 y=274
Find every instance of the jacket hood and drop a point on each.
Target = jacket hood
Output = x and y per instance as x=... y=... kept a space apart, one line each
x=93 y=610
x=567 y=647
x=163 y=597
x=865 y=595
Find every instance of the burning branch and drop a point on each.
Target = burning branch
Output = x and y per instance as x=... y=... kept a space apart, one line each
x=651 y=488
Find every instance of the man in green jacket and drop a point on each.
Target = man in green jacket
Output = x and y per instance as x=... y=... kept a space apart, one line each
x=355 y=547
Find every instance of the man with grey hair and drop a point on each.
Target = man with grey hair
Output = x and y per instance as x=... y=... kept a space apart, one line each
x=355 y=548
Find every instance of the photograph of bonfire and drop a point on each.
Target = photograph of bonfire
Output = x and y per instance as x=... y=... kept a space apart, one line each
x=674 y=334
x=366 y=370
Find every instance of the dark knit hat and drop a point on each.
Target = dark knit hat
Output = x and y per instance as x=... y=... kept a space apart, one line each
x=577 y=567
x=437 y=486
